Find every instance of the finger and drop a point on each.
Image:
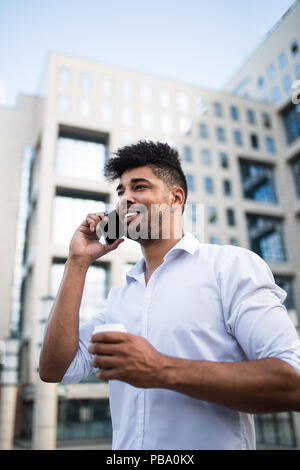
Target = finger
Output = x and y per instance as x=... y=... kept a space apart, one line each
x=94 y=219
x=109 y=374
x=105 y=362
x=110 y=337
x=105 y=349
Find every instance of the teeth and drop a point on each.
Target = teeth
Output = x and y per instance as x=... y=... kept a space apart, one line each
x=130 y=214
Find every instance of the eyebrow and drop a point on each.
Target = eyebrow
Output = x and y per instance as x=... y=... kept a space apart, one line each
x=133 y=181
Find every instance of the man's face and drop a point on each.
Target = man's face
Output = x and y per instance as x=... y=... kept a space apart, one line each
x=144 y=204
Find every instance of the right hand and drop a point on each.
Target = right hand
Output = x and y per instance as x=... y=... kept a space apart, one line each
x=84 y=246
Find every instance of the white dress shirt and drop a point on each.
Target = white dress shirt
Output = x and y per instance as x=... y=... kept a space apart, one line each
x=204 y=302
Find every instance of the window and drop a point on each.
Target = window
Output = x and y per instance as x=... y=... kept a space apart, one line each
x=126 y=90
x=106 y=86
x=146 y=94
x=208 y=185
x=270 y=144
x=190 y=182
x=85 y=81
x=227 y=190
x=185 y=126
x=183 y=103
x=211 y=215
x=146 y=120
x=233 y=241
x=220 y=134
x=218 y=110
x=127 y=116
x=287 y=83
x=291 y=119
x=271 y=72
x=164 y=98
x=166 y=124
x=224 y=162
x=282 y=60
x=85 y=108
x=250 y=116
x=80 y=156
x=214 y=240
x=286 y=283
x=106 y=112
x=266 y=237
x=237 y=137
x=64 y=76
x=230 y=217
x=275 y=429
x=203 y=131
x=63 y=103
x=258 y=182
x=266 y=120
x=234 y=112
x=297 y=71
x=254 y=141
x=296 y=174
x=260 y=83
x=275 y=94
x=206 y=157
x=187 y=152
x=294 y=48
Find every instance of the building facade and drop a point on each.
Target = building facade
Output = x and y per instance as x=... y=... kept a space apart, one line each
x=239 y=168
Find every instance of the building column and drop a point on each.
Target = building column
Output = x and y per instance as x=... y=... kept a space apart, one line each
x=8 y=399
x=44 y=416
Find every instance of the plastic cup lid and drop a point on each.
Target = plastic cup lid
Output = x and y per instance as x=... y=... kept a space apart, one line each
x=110 y=327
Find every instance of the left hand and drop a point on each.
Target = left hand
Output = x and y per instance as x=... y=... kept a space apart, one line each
x=126 y=357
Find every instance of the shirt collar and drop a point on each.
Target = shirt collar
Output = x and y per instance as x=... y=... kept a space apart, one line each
x=187 y=243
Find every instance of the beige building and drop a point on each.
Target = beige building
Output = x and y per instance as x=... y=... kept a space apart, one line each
x=53 y=150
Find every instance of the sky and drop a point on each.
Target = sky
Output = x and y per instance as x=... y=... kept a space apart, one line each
x=198 y=42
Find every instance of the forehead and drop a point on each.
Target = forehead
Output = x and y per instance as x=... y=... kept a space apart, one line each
x=140 y=172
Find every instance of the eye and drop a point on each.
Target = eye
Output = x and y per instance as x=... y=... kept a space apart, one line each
x=120 y=193
x=140 y=186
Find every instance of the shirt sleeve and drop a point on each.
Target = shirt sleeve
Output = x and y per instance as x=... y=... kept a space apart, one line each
x=81 y=367
x=253 y=308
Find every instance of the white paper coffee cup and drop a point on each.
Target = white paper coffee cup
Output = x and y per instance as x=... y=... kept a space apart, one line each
x=110 y=327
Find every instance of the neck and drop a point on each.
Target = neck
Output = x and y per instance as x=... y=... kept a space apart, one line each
x=154 y=252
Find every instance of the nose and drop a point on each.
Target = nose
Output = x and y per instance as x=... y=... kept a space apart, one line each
x=126 y=200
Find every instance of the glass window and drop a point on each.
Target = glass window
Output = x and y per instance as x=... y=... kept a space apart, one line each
x=203 y=131
x=234 y=112
x=80 y=158
x=64 y=76
x=214 y=240
x=126 y=90
x=85 y=81
x=266 y=237
x=287 y=83
x=212 y=217
x=218 y=110
x=146 y=94
x=190 y=182
x=106 y=85
x=221 y=134
x=85 y=108
x=297 y=71
x=282 y=60
x=227 y=188
x=166 y=123
x=271 y=72
x=127 y=116
x=258 y=182
x=164 y=98
x=224 y=162
x=208 y=185
x=187 y=153
x=294 y=48
x=286 y=283
x=275 y=94
x=147 y=121
x=237 y=137
x=106 y=112
x=68 y=213
x=233 y=241
x=296 y=174
x=230 y=215
x=266 y=120
x=185 y=126
x=183 y=103
x=251 y=116
x=260 y=83
x=291 y=119
x=275 y=429
x=254 y=141
x=63 y=103
x=201 y=106
x=205 y=156
x=270 y=144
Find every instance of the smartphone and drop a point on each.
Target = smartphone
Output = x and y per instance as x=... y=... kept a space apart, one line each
x=112 y=229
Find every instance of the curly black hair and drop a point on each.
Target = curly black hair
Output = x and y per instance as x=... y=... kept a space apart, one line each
x=160 y=157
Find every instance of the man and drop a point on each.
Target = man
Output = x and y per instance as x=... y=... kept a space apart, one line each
x=209 y=341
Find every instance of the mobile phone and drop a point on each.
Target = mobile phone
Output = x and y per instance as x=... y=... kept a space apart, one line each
x=110 y=229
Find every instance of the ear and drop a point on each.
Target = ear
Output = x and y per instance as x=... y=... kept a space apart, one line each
x=178 y=198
